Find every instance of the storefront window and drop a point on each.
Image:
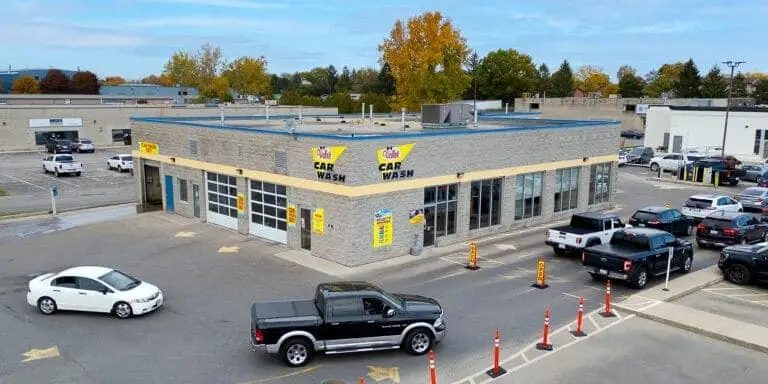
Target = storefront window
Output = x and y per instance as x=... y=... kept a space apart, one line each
x=485 y=203
x=440 y=206
x=566 y=189
x=41 y=138
x=599 y=183
x=528 y=195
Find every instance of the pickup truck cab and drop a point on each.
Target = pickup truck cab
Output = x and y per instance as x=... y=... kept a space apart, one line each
x=634 y=254
x=585 y=229
x=346 y=317
x=62 y=164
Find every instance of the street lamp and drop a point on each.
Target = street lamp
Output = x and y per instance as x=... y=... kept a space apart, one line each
x=733 y=65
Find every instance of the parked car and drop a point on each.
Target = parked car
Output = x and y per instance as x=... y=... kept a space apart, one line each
x=62 y=164
x=585 y=230
x=58 y=146
x=721 y=229
x=120 y=162
x=753 y=198
x=640 y=155
x=83 y=145
x=346 y=317
x=93 y=289
x=729 y=171
x=622 y=158
x=744 y=264
x=672 y=162
x=666 y=219
x=631 y=134
x=699 y=207
x=635 y=254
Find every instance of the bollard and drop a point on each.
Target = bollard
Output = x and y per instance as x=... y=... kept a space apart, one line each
x=432 y=371
x=545 y=345
x=607 y=312
x=717 y=179
x=362 y=380
x=541 y=274
x=579 y=320
x=472 y=260
x=659 y=175
x=497 y=370
x=668 y=204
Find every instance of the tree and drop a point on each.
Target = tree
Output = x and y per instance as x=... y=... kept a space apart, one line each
x=26 y=85
x=151 y=79
x=364 y=80
x=671 y=71
x=626 y=70
x=55 y=82
x=688 y=81
x=761 y=92
x=713 y=85
x=658 y=86
x=426 y=55
x=592 y=79
x=544 y=85
x=562 y=81
x=344 y=84
x=248 y=76
x=505 y=74
x=332 y=78
x=739 y=86
x=380 y=102
x=294 y=97
x=209 y=63
x=217 y=88
x=385 y=83
x=85 y=83
x=166 y=80
x=114 y=80
x=610 y=89
x=630 y=85
x=182 y=70
x=342 y=101
x=472 y=65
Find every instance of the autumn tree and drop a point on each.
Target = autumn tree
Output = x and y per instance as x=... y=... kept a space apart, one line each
x=209 y=61
x=761 y=92
x=630 y=85
x=151 y=79
x=55 y=82
x=426 y=54
x=544 y=85
x=182 y=69
x=562 y=81
x=713 y=85
x=85 y=83
x=217 y=88
x=248 y=76
x=25 y=85
x=626 y=70
x=688 y=81
x=114 y=80
x=364 y=80
x=591 y=79
x=506 y=74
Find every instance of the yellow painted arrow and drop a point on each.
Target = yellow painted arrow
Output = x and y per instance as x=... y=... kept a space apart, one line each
x=229 y=249
x=384 y=373
x=37 y=354
x=185 y=234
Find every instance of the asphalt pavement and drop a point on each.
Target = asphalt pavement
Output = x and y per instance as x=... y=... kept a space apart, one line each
x=744 y=303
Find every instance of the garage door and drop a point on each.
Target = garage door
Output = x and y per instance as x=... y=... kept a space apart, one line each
x=268 y=211
x=222 y=200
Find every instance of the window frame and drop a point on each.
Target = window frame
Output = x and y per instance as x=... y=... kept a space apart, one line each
x=573 y=193
x=606 y=172
x=434 y=200
x=81 y=279
x=183 y=190
x=333 y=317
x=529 y=201
x=493 y=199
x=54 y=282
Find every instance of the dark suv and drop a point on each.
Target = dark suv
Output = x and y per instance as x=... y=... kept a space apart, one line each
x=640 y=155
x=59 y=146
x=666 y=219
x=723 y=228
x=728 y=171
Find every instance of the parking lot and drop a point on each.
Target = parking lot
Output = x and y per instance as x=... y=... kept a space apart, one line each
x=21 y=176
x=201 y=333
x=744 y=303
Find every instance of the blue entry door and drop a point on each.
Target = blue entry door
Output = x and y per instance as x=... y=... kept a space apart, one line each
x=169 y=193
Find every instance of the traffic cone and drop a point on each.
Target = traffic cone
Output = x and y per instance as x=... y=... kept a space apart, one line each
x=579 y=320
x=497 y=370
x=607 y=312
x=545 y=345
x=432 y=370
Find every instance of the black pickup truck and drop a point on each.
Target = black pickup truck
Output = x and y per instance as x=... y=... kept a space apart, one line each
x=634 y=254
x=344 y=317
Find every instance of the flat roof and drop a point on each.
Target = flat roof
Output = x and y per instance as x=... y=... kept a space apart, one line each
x=353 y=127
x=713 y=109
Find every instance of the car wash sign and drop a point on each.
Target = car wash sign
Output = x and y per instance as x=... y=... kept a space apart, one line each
x=391 y=162
x=324 y=159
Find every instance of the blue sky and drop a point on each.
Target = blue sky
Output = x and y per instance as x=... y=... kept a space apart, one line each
x=133 y=38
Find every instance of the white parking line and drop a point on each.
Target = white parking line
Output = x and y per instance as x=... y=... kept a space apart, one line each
x=25 y=182
x=571 y=295
x=757 y=302
x=451 y=261
x=58 y=179
x=722 y=289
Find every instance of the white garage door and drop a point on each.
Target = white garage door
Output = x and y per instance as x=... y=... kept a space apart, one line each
x=222 y=200
x=268 y=211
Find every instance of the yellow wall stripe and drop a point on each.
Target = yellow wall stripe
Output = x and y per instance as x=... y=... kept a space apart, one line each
x=372 y=189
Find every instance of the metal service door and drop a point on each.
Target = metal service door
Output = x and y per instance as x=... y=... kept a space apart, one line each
x=169 y=193
x=196 y=200
x=306 y=229
x=221 y=192
x=268 y=211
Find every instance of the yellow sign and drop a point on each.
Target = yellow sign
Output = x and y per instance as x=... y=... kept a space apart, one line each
x=668 y=204
x=416 y=216
x=391 y=162
x=384 y=373
x=472 y=254
x=291 y=215
x=324 y=159
x=382 y=228
x=185 y=234
x=318 y=221
x=240 y=203
x=37 y=354
x=147 y=147
x=541 y=273
x=229 y=249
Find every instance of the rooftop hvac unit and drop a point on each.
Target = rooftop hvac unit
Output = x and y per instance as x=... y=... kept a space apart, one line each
x=442 y=116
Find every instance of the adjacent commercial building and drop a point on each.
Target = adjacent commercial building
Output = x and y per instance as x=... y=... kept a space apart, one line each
x=358 y=192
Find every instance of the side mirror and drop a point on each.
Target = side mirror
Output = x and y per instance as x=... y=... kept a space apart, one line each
x=104 y=291
x=389 y=312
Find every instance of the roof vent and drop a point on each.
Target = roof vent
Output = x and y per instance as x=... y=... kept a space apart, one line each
x=445 y=116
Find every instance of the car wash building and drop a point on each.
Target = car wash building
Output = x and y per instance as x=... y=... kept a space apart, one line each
x=356 y=190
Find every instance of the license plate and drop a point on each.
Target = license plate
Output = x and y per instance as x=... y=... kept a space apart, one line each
x=603 y=272
x=714 y=232
x=641 y=225
x=561 y=246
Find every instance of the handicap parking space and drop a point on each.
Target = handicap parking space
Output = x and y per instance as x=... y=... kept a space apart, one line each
x=744 y=303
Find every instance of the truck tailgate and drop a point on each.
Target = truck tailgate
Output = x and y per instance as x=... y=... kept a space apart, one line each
x=602 y=257
x=564 y=237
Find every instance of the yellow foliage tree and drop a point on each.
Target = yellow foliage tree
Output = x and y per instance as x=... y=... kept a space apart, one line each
x=182 y=69
x=611 y=89
x=166 y=80
x=25 y=85
x=426 y=55
x=114 y=80
x=591 y=79
x=218 y=87
x=248 y=76
x=671 y=71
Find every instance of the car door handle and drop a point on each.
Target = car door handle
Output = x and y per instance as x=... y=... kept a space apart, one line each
x=334 y=323
x=83 y=293
x=56 y=290
x=371 y=321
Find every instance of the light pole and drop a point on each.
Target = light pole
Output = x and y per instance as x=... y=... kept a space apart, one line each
x=733 y=65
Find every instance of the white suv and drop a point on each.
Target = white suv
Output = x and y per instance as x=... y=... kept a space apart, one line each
x=699 y=207
x=672 y=161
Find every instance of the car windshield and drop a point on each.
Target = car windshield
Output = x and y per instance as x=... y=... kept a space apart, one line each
x=718 y=223
x=391 y=297
x=645 y=216
x=127 y=158
x=119 y=280
x=753 y=192
x=85 y=141
x=637 y=151
x=698 y=203
x=65 y=159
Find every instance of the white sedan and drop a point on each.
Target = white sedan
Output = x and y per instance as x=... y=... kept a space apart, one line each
x=93 y=289
x=120 y=162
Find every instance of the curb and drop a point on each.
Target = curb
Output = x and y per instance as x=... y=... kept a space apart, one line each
x=41 y=214
x=681 y=182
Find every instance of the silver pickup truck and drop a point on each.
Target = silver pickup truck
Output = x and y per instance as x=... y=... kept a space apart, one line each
x=62 y=164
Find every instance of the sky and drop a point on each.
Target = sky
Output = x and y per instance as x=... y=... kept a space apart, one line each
x=135 y=38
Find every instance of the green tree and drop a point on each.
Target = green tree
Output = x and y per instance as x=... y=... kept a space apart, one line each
x=562 y=81
x=342 y=101
x=625 y=70
x=544 y=86
x=25 y=85
x=344 y=84
x=217 y=88
x=294 y=97
x=761 y=92
x=739 y=86
x=209 y=62
x=182 y=69
x=332 y=78
x=630 y=85
x=688 y=81
x=85 y=83
x=364 y=80
x=505 y=74
x=713 y=85
x=426 y=55
x=381 y=103
x=248 y=76
x=55 y=82
x=385 y=83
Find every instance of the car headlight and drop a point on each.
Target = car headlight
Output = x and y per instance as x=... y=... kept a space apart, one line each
x=439 y=323
x=145 y=300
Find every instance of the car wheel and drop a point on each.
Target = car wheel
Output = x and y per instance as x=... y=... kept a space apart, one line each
x=120 y=169
x=641 y=278
x=741 y=209
x=45 y=170
x=296 y=352
x=689 y=230
x=759 y=179
x=123 y=310
x=46 y=305
x=687 y=264
x=700 y=244
x=77 y=173
x=654 y=167
x=56 y=172
x=418 y=341
x=109 y=167
x=738 y=274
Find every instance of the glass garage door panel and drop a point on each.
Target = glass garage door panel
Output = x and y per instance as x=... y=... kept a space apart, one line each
x=221 y=191
x=268 y=203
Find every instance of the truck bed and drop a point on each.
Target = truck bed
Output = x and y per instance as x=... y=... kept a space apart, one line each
x=573 y=230
x=614 y=256
x=284 y=313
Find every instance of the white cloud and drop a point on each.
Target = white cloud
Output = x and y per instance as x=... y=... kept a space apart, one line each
x=247 y=4
x=662 y=28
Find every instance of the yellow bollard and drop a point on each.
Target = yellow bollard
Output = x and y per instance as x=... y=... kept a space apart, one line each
x=685 y=173
x=717 y=179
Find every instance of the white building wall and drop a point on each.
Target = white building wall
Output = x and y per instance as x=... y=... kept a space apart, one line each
x=657 y=123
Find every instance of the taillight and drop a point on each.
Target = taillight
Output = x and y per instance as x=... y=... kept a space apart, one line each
x=654 y=222
x=730 y=231
x=547 y=235
x=765 y=210
x=627 y=265
x=700 y=227
x=578 y=240
x=583 y=256
x=258 y=335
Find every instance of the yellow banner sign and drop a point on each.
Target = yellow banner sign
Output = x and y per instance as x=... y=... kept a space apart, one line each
x=472 y=254
x=318 y=221
x=391 y=162
x=416 y=216
x=147 y=147
x=240 y=203
x=382 y=228
x=541 y=273
x=324 y=159
x=291 y=215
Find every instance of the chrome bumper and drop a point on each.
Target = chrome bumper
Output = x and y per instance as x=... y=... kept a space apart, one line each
x=606 y=273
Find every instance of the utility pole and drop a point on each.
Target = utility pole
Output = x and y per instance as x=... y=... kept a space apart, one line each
x=733 y=65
